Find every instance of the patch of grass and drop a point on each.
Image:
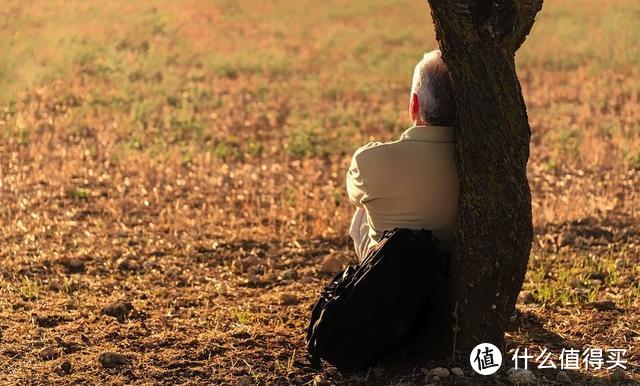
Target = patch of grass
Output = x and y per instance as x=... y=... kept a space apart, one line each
x=311 y=139
x=574 y=280
x=244 y=317
x=634 y=160
x=69 y=285
x=80 y=194
x=29 y=288
x=226 y=150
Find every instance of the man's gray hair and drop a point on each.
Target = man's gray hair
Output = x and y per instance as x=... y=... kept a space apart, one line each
x=432 y=84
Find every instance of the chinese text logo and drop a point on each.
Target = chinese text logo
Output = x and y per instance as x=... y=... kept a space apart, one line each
x=485 y=359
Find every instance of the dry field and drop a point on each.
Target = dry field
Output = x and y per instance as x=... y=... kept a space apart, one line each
x=186 y=159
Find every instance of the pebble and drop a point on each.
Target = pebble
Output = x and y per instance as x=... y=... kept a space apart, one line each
x=526 y=297
x=65 y=367
x=439 y=372
x=290 y=274
x=49 y=352
x=457 y=371
x=521 y=377
x=566 y=239
x=269 y=277
x=563 y=377
x=127 y=264
x=119 y=310
x=618 y=375
x=112 y=359
x=56 y=286
x=72 y=265
x=331 y=264
x=288 y=299
x=575 y=282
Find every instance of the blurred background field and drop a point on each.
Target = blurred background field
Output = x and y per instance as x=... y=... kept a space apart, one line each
x=191 y=155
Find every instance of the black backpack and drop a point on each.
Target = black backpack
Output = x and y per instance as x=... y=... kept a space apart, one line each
x=396 y=296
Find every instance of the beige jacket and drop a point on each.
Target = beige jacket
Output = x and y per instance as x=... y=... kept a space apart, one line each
x=408 y=183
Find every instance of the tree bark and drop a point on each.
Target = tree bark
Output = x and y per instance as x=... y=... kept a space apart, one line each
x=478 y=40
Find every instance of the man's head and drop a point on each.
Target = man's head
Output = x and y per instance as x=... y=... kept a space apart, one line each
x=432 y=102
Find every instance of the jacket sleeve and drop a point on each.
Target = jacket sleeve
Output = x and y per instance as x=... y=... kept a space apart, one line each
x=356 y=187
x=355 y=183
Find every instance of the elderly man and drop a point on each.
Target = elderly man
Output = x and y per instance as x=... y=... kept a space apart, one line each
x=412 y=182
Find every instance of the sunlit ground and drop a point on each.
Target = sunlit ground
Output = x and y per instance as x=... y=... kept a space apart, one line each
x=189 y=158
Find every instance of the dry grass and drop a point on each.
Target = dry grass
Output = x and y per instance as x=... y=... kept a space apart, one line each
x=190 y=160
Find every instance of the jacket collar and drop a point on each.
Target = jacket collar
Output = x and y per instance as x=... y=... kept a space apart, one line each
x=428 y=134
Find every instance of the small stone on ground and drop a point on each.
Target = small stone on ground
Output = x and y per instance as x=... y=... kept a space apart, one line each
x=119 y=310
x=290 y=274
x=521 y=377
x=330 y=264
x=618 y=375
x=112 y=359
x=288 y=299
x=65 y=367
x=563 y=377
x=526 y=297
x=49 y=352
x=457 y=371
x=72 y=265
x=439 y=372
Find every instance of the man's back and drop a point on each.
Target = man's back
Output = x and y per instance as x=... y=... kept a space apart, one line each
x=410 y=183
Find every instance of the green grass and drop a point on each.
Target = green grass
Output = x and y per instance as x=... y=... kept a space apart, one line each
x=55 y=40
x=189 y=74
x=244 y=318
x=570 y=34
x=30 y=288
x=573 y=280
x=80 y=194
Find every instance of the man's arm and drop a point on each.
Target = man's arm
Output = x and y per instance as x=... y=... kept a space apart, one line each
x=359 y=232
x=356 y=187
x=355 y=182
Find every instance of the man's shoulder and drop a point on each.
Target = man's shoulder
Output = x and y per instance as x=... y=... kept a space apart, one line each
x=373 y=150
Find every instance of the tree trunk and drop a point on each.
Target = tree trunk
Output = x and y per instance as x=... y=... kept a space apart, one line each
x=478 y=40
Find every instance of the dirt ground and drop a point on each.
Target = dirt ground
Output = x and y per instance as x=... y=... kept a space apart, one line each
x=172 y=186
x=199 y=305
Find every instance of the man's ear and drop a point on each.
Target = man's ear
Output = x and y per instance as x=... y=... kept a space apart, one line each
x=414 y=107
